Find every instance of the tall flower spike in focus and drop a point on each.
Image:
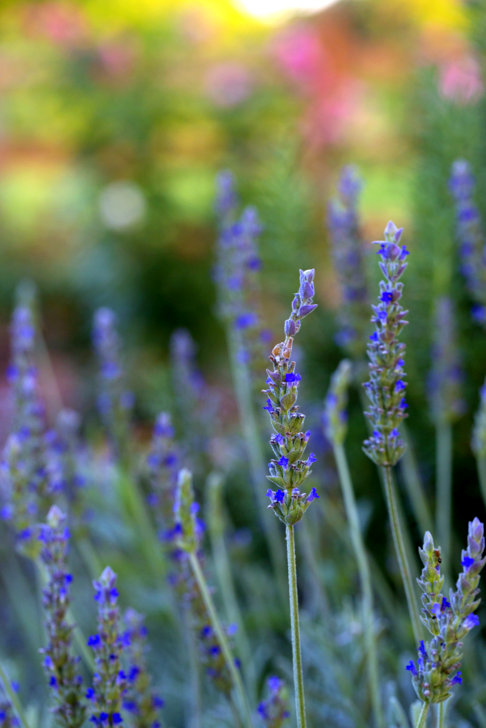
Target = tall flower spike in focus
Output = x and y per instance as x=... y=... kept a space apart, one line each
x=115 y=403
x=386 y=386
x=347 y=252
x=470 y=236
x=448 y=620
x=109 y=681
x=62 y=669
x=288 y=469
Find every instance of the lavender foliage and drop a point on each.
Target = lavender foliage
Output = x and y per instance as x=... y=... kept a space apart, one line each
x=288 y=469
x=470 y=236
x=386 y=386
x=446 y=376
x=60 y=666
x=109 y=680
x=347 y=252
x=448 y=620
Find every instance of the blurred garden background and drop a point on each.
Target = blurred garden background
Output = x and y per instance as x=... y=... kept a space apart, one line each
x=115 y=119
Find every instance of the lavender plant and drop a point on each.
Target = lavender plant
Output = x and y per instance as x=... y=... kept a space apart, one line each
x=347 y=249
x=187 y=532
x=61 y=667
x=448 y=621
x=139 y=699
x=274 y=711
x=335 y=427
x=386 y=390
x=288 y=469
x=110 y=680
x=470 y=236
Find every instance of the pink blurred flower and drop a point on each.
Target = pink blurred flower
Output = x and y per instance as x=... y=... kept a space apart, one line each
x=460 y=80
x=228 y=84
x=61 y=23
x=116 y=58
x=329 y=119
x=298 y=52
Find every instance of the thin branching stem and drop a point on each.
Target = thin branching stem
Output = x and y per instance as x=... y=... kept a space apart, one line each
x=444 y=487
x=422 y=718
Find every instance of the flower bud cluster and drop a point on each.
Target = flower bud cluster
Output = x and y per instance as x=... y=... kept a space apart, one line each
x=386 y=386
x=478 y=442
x=448 y=620
x=139 y=699
x=347 y=251
x=163 y=465
x=288 y=469
x=115 y=403
x=8 y=719
x=188 y=527
x=334 y=417
x=446 y=376
x=109 y=680
x=274 y=710
x=62 y=669
x=470 y=236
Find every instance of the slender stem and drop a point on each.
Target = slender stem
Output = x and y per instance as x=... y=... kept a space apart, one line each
x=195 y=706
x=481 y=462
x=422 y=719
x=398 y=539
x=244 y=397
x=295 y=629
x=7 y=685
x=441 y=713
x=444 y=487
x=413 y=484
x=223 y=642
x=365 y=579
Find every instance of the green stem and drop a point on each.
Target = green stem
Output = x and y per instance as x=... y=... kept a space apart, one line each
x=12 y=695
x=481 y=462
x=244 y=397
x=444 y=487
x=364 y=573
x=223 y=642
x=414 y=485
x=441 y=713
x=194 y=718
x=398 y=540
x=295 y=629
x=422 y=719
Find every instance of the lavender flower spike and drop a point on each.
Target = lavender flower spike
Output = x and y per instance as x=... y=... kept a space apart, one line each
x=448 y=620
x=347 y=252
x=287 y=469
x=274 y=710
x=470 y=236
x=139 y=699
x=60 y=666
x=386 y=387
x=446 y=376
x=109 y=682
